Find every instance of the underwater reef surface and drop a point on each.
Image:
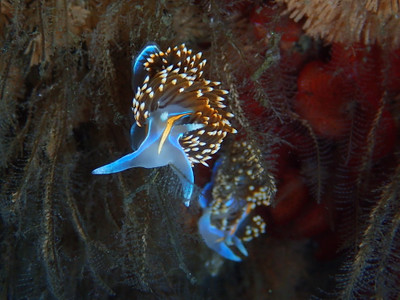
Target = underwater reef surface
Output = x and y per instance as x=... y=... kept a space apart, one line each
x=314 y=197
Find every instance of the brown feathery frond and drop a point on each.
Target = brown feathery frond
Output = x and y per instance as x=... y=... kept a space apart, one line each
x=373 y=273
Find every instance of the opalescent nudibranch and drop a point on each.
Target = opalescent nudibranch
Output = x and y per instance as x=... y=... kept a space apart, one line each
x=180 y=117
x=238 y=186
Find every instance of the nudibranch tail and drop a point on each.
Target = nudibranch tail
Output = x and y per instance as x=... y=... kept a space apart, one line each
x=179 y=116
x=216 y=239
x=138 y=69
x=183 y=168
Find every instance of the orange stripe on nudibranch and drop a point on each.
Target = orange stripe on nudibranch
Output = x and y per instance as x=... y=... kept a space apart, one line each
x=173 y=107
x=175 y=78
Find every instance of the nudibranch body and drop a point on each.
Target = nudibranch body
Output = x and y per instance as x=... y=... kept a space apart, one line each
x=179 y=116
x=238 y=186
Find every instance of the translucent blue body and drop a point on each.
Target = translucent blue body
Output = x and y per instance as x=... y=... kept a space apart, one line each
x=216 y=239
x=157 y=143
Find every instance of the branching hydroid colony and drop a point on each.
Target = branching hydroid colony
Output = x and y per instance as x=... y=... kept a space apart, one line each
x=322 y=120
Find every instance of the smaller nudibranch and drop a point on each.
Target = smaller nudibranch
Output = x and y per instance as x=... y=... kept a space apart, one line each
x=238 y=186
x=180 y=117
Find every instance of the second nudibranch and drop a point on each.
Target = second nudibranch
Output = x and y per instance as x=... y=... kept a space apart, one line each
x=180 y=117
x=239 y=185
